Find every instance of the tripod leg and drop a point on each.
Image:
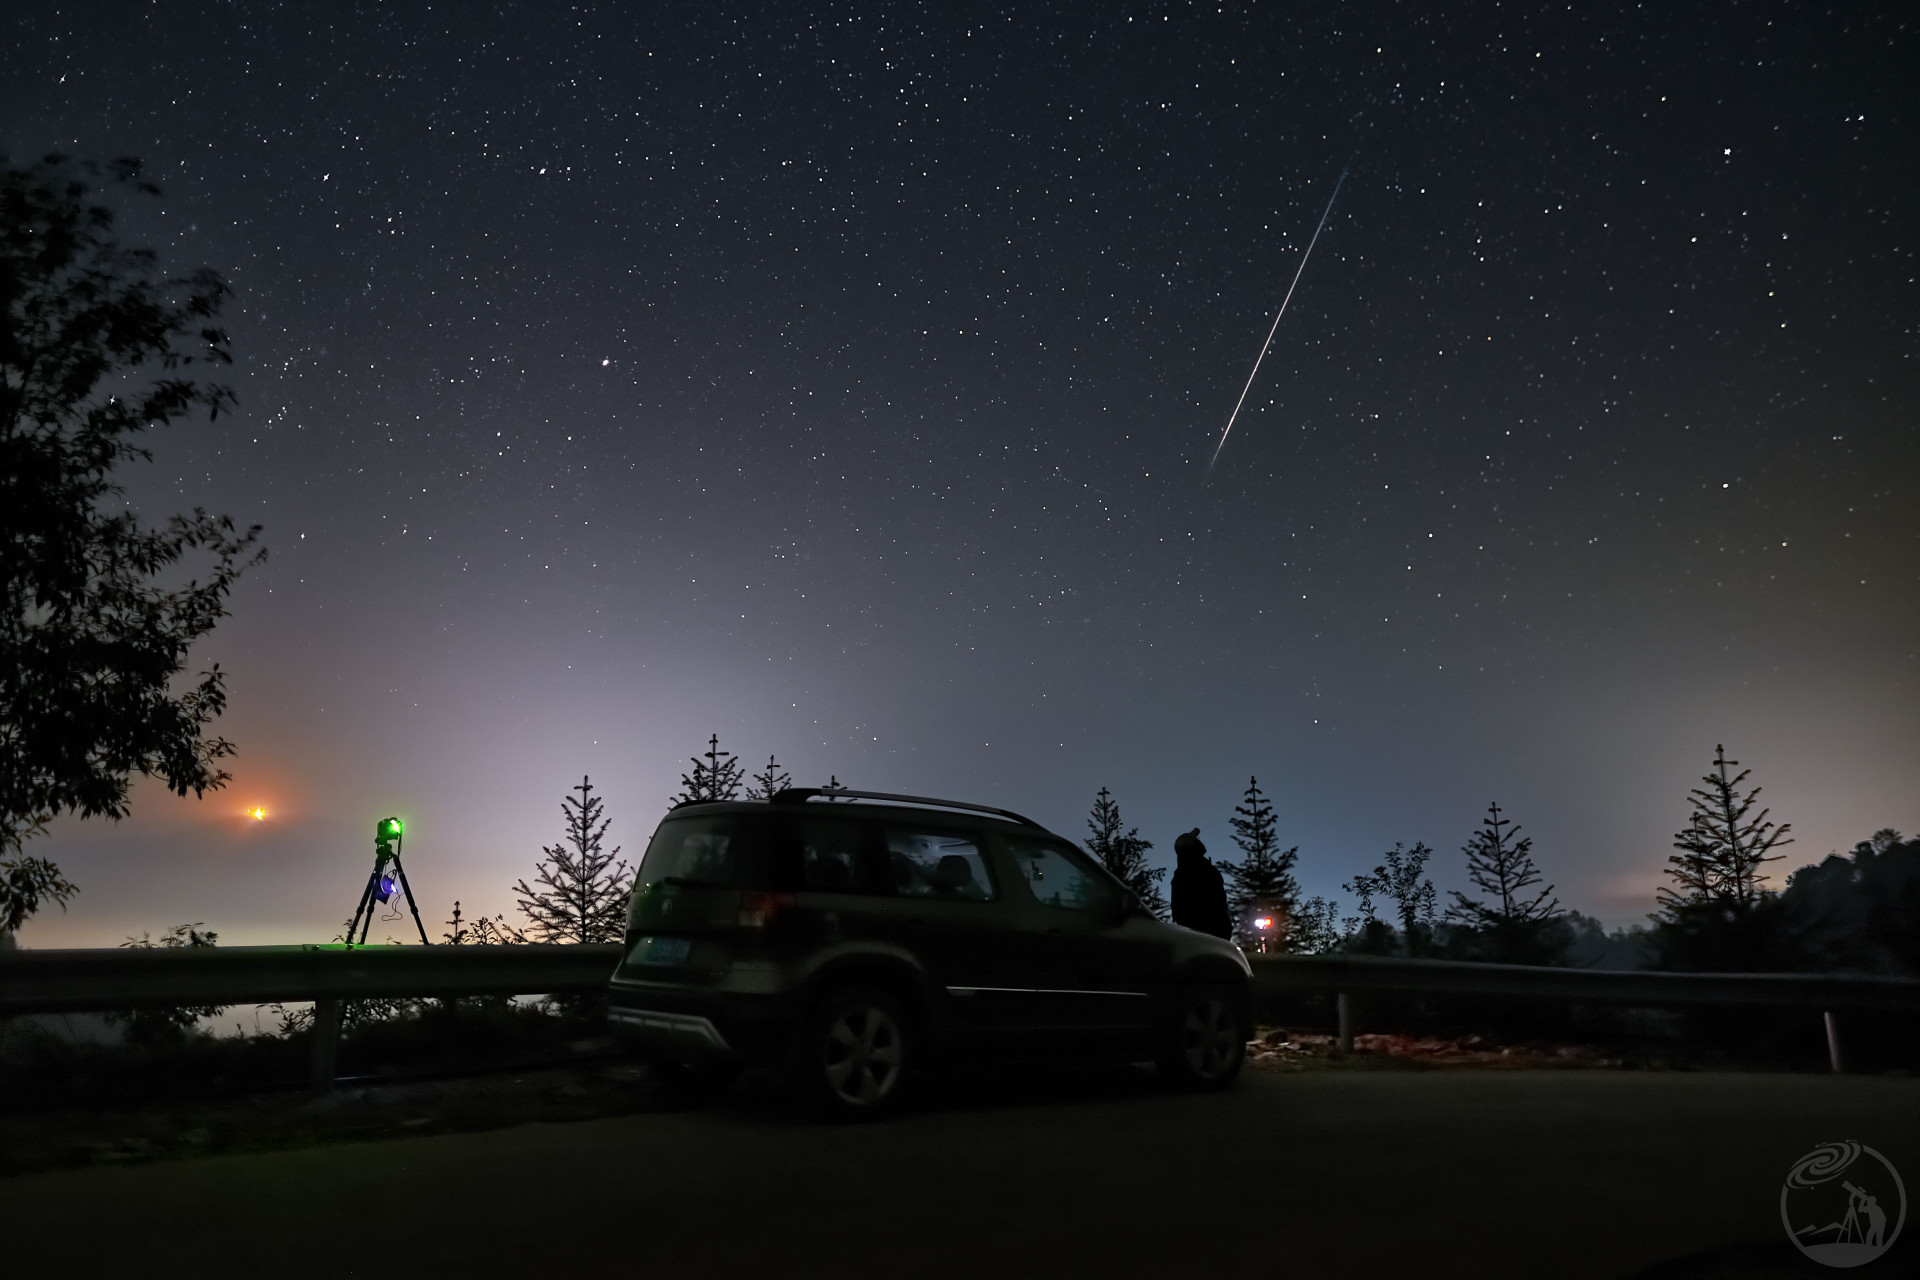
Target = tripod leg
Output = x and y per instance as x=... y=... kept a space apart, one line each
x=408 y=890
x=366 y=905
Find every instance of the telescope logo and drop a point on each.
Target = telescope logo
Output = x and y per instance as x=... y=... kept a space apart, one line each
x=1843 y=1204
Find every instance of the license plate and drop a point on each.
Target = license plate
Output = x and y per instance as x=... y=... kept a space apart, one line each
x=661 y=951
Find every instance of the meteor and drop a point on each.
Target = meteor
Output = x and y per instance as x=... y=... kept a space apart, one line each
x=1276 y=319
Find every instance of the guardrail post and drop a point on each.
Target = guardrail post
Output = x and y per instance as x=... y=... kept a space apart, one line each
x=1344 y=1003
x=1834 y=1059
x=326 y=1042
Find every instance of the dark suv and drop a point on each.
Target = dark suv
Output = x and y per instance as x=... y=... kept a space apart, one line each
x=854 y=938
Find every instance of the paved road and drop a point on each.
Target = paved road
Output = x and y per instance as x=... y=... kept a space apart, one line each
x=1357 y=1173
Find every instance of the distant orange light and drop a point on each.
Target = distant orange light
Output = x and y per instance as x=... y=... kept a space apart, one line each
x=257 y=814
x=1264 y=922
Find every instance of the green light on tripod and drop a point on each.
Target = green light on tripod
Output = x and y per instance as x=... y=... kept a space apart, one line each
x=389 y=829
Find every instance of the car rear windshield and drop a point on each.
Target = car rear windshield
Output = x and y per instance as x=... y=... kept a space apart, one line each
x=717 y=851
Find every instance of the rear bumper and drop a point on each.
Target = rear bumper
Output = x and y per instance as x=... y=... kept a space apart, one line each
x=699 y=1026
x=687 y=1032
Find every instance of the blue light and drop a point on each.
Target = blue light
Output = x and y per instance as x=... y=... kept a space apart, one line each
x=388 y=887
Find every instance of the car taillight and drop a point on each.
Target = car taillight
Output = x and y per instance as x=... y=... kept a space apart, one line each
x=757 y=910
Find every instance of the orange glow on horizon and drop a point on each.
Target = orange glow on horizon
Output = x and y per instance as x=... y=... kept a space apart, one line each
x=257 y=814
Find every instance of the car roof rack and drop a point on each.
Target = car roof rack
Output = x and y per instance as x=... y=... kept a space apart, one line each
x=800 y=795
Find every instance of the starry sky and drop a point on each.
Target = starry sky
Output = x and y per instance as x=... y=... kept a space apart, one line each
x=842 y=379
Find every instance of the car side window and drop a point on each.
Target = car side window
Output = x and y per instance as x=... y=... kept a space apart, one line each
x=1060 y=877
x=831 y=859
x=938 y=865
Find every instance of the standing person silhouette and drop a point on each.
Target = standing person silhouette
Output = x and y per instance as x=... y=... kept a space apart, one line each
x=1199 y=892
x=1876 y=1217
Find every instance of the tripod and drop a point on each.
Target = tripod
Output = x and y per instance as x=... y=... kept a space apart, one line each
x=381 y=886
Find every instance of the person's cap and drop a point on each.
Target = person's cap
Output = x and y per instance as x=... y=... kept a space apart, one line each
x=1189 y=842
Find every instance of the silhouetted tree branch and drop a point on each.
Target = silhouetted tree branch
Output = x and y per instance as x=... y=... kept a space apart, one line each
x=95 y=348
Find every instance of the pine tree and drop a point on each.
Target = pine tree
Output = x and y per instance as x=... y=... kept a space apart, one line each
x=1722 y=849
x=714 y=777
x=769 y=782
x=1261 y=884
x=1122 y=851
x=584 y=893
x=1516 y=927
x=1715 y=917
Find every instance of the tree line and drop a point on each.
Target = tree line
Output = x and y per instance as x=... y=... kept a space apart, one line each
x=1714 y=914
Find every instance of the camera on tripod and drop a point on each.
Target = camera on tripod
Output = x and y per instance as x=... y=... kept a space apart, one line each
x=387 y=879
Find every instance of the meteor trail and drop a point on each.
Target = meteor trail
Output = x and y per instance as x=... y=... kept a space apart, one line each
x=1276 y=319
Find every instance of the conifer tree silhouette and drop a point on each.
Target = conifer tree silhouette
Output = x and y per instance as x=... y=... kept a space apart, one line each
x=769 y=782
x=1515 y=925
x=1722 y=849
x=1261 y=883
x=1715 y=916
x=584 y=890
x=714 y=777
x=1122 y=851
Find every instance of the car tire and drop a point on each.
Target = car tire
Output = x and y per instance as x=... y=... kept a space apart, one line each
x=1206 y=1043
x=857 y=1054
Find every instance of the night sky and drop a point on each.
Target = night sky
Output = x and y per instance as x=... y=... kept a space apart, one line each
x=843 y=379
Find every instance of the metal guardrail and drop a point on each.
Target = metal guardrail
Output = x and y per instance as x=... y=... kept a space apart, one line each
x=1588 y=986
x=120 y=978
x=127 y=978
x=106 y=979
x=1346 y=975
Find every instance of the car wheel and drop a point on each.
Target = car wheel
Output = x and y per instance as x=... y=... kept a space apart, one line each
x=1207 y=1042
x=857 y=1053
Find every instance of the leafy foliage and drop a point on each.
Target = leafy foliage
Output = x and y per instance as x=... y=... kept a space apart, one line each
x=769 y=782
x=148 y=1026
x=584 y=890
x=1400 y=878
x=1314 y=927
x=714 y=777
x=1262 y=882
x=1861 y=911
x=1516 y=926
x=25 y=883
x=1123 y=851
x=95 y=348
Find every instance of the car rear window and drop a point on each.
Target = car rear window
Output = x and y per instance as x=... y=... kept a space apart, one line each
x=719 y=851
